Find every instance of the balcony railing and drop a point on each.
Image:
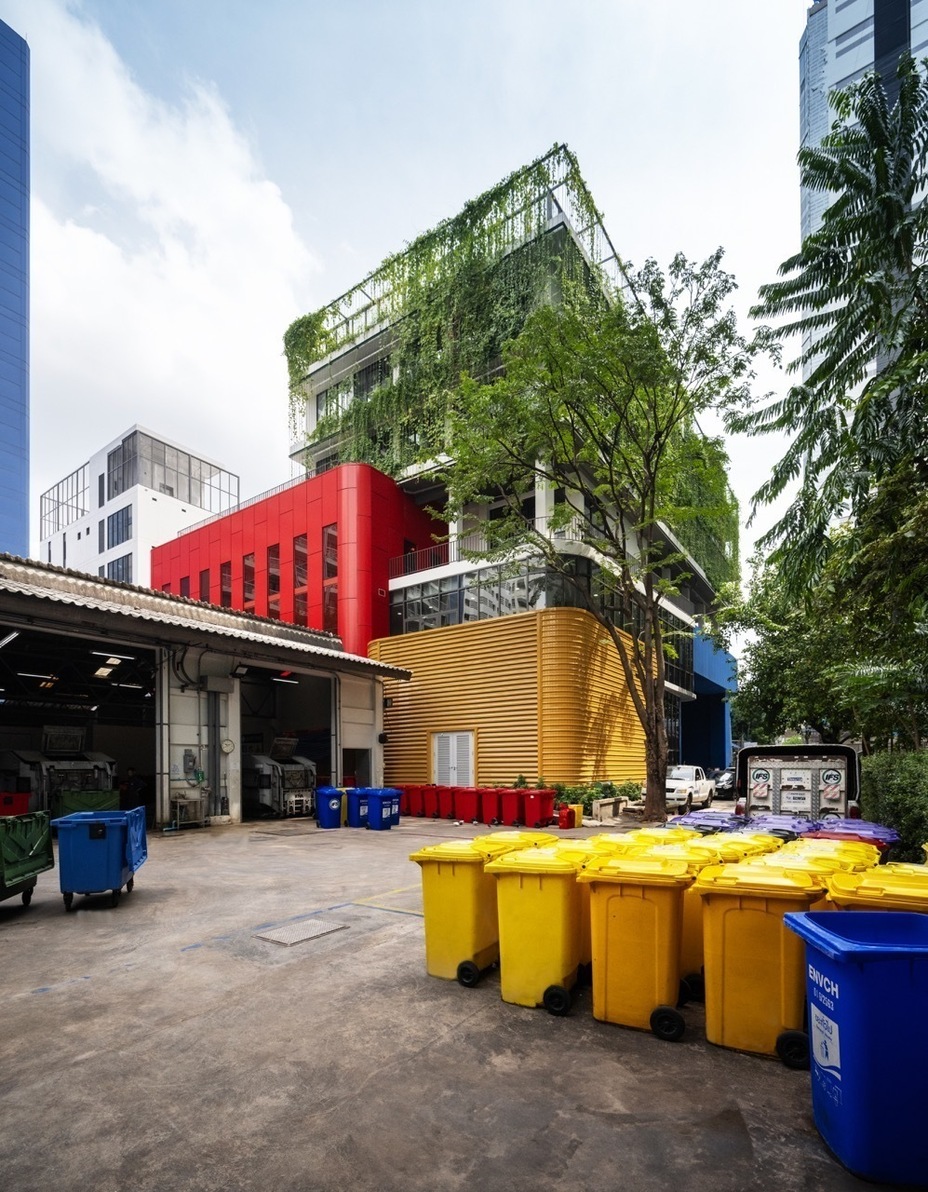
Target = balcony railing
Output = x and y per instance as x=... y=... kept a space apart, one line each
x=456 y=550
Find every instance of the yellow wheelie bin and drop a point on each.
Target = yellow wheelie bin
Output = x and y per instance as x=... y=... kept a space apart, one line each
x=580 y=852
x=850 y=855
x=636 y=924
x=754 y=971
x=892 y=887
x=539 y=927
x=494 y=844
x=459 y=905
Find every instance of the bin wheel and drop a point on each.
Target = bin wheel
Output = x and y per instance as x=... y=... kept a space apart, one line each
x=129 y=884
x=696 y=984
x=793 y=1050
x=27 y=896
x=68 y=901
x=468 y=974
x=114 y=898
x=556 y=1000
x=585 y=974
x=668 y=1024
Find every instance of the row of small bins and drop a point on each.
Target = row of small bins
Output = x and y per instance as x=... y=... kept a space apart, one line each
x=491 y=805
x=376 y=807
x=642 y=907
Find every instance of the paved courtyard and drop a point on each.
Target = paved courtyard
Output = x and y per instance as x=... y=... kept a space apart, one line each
x=162 y=1045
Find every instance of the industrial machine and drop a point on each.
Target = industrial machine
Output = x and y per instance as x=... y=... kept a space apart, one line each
x=62 y=764
x=279 y=783
x=811 y=781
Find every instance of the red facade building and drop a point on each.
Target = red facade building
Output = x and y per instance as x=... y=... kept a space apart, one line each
x=315 y=553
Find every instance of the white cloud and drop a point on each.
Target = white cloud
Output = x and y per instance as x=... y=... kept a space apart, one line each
x=165 y=266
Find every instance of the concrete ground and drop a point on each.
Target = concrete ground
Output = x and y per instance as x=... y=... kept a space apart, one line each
x=161 y=1045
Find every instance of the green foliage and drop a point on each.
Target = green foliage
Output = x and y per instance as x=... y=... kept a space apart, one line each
x=857 y=292
x=895 y=792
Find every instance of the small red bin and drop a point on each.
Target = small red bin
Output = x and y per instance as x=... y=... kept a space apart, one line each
x=445 y=802
x=488 y=798
x=430 y=802
x=414 y=800
x=466 y=804
x=539 y=807
x=512 y=806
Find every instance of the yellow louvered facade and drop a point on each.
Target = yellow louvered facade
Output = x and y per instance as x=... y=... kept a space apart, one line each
x=542 y=692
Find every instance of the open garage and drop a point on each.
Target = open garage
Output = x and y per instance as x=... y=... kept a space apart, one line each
x=195 y=710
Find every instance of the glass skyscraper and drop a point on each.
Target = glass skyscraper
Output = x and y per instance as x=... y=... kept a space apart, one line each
x=14 y=292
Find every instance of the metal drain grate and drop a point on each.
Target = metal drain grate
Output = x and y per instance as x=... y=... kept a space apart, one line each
x=296 y=933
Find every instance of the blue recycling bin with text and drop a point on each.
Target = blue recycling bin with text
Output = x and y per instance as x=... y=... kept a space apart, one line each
x=329 y=807
x=395 y=796
x=867 y=987
x=379 y=809
x=357 y=807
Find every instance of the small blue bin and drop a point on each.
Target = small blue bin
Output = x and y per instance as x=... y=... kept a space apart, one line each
x=379 y=809
x=867 y=985
x=99 y=851
x=329 y=807
x=357 y=807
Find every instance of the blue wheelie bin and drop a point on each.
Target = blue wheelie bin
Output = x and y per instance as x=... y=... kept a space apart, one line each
x=867 y=984
x=329 y=807
x=357 y=807
x=100 y=851
x=379 y=809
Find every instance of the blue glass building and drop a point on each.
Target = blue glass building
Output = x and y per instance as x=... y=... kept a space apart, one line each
x=14 y=292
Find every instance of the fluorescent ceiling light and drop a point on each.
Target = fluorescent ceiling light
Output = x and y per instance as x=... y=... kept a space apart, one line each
x=27 y=675
x=134 y=686
x=9 y=637
x=102 y=672
x=276 y=680
x=113 y=659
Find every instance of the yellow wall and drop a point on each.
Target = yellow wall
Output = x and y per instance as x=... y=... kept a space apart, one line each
x=542 y=692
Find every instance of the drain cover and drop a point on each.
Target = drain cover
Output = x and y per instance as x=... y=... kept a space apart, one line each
x=296 y=933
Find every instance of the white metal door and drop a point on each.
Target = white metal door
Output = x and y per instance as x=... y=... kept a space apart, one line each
x=453 y=759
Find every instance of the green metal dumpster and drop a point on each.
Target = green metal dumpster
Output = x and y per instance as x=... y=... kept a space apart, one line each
x=67 y=802
x=25 y=852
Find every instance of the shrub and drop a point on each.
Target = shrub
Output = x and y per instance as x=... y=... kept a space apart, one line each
x=895 y=792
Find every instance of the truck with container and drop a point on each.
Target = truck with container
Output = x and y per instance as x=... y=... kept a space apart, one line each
x=812 y=781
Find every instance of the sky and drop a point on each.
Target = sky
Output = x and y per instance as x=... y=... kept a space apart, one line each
x=205 y=171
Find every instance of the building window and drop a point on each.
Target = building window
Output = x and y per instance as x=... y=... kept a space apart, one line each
x=330 y=606
x=248 y=582
x=119 y=527
x=225 y=585
x=64 y=550
x=273 y=581
x=120 y=569
x=204 y=585
x=101 y=571
x=185 y=585
x=300 y=578
x=329 y=552
x=101 y=491
x=101 y=536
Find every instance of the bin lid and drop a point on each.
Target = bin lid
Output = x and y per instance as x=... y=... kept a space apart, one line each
x=814 y=862
x=693 y=856
x=672 y=834
x=914 y=868
x=863 y=936
x=636 y=870
x=494 y=843
x=878 y=885
x=749 y=844
x=449 y=850
x=615 y=842
x=858 y=855
x=709 y=850
x=533 y=860
x=580 y=851
x=749 y=877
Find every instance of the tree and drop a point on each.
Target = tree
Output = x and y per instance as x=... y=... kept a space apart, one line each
x=599 y=402
x=857 y=292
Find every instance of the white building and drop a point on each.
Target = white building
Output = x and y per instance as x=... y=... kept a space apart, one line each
x=842 y=40
x=137 y=491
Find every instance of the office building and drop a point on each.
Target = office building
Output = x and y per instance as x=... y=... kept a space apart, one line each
x=14 y=293
x=137 y=491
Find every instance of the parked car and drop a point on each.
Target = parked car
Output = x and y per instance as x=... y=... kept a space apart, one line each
x=725 y=783
x=688 y=786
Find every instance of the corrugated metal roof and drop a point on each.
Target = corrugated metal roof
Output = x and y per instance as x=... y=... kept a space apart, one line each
x=43 y=581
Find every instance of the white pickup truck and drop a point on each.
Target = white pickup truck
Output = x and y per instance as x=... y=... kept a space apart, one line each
x=688 y=786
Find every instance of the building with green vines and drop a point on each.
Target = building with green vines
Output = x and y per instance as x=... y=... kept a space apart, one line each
x=373 y=372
